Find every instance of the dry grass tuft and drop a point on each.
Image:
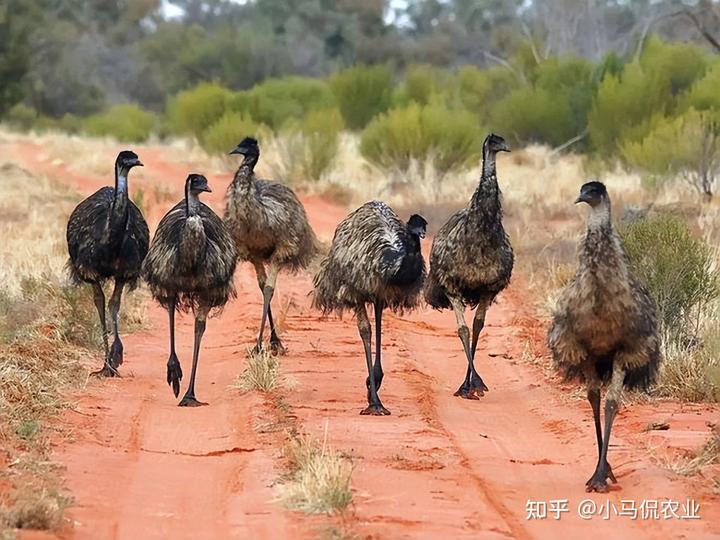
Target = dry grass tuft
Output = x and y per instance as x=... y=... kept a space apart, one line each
x=708 y=454
x=262 y=372
x=319 y=479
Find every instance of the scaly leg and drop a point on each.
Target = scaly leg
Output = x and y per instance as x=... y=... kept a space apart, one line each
x=116 y=350
x=174 y=372
x=473 y=386
x=276 y=346
x=377 y=366
x=598 y=481
x=268 y=292
x=189 y=399
x=374 y=407
x=99 y=297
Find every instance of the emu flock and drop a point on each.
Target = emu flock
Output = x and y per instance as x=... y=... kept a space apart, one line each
x=604 y=329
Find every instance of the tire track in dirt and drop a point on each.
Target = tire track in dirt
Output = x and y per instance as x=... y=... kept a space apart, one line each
x=439 y=467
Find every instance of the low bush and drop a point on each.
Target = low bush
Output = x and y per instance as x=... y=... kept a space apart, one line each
x=222 y=136
x=127 y=123
x=451 y=138
x=362 y=92
x=193 y=111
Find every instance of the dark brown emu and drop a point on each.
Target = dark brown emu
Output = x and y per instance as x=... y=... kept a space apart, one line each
x=190 y=267
x=471 y=262
x=604 y=328
x=270 y=229
x=108 y=238
x=375 y=258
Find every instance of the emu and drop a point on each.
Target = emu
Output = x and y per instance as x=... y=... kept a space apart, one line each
x=604 y=328
x=270 y=228
x=375 y=258
x=190 y=266
x=108 y=238
x=471 y=262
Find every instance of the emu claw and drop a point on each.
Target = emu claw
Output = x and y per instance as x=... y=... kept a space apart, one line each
x=375 y=410
x=106 y=371
x=598 y=481
x=174 y=374
x=190 y=401
x=475 y=389
x=276 y=347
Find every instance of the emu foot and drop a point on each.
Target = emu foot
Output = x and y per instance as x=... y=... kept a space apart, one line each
x=174 y=374
x=598 y=481
x=106 y=371
x=473 y=389
x=375 y=409
x=276 y=346
x=115 y=358
x=190 y=401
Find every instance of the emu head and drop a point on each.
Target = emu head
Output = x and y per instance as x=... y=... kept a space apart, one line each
x=196 y=184
x=247 y=147
x=494 y=144
x=417 y=225
x=593 y=193
x=126 y=160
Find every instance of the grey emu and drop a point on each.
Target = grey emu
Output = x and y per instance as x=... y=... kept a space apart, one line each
x=108 y=238
x=190 y=266
x=605 y=325
x=270 y=228
x=375 y=258
x=471 y=262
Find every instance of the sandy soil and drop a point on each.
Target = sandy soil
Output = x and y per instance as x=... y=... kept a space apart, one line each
x=439 y=467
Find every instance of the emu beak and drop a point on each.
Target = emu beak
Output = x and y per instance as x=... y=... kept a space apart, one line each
x=505 y=148
x=422 y=234
x=138 y=163
x=237 y=150
x=580 y=199
x=207 y=189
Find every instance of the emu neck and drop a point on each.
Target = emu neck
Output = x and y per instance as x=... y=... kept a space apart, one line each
x=245 y=174
x=600 y=217
x=192 y=202
x=119 y=213
x=486 y=200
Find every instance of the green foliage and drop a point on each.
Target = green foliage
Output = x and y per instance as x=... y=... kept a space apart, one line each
x=21 y=117
x=225 y=133
x=678 y=65
x=703 y=94
x=362 y=92
x=451 y=138
x=686 y=145
x=278 y=100
x=312 y=145
x=480 y=90
x=535 y=115
x=193 y=111
x=423 y=84
x=678 y=269
x=127 y=123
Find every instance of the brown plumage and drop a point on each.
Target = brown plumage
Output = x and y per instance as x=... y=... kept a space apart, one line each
x=375 y=258
x=471 y=262
x=108 y=238
x=604 y=327
x=270 y=228
x=190 y=266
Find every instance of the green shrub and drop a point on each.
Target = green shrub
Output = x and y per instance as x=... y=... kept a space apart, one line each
x=687 y=146
x=678 y=64
x=362 y=92
x=193 y=111
x=535 y=115
x=21 y=117
x=225 y=133
x=423 y=84
x=703 y=94
x=311 y=145
x=276 y=101
x=127 y=122
x=678 y=269
x=479 y=90
x=451 y=138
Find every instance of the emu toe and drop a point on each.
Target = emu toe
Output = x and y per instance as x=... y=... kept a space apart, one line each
x=598 y=481
x=191 y=401
x=376 y=409
x=276 y=347
x=174 y=374
x=115 y=358
x=474 y=389
x=106 y=371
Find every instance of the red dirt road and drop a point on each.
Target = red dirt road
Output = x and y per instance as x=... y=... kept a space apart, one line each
x=439 y=467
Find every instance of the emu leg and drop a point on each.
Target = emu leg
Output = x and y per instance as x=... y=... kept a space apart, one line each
x=99 y=297
x=598 y=481
x=268 y=292
x=472 y=386
x=374 y=407
x=174 y=372
x=189 y=399
x=276 y=346
x=377 y=366
x=116 y=350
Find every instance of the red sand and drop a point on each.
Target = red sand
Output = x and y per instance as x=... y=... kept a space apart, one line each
x=439 y=467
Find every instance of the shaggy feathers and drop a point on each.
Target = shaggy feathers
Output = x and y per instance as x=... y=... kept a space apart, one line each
x=191 y=258
x=373 y=257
